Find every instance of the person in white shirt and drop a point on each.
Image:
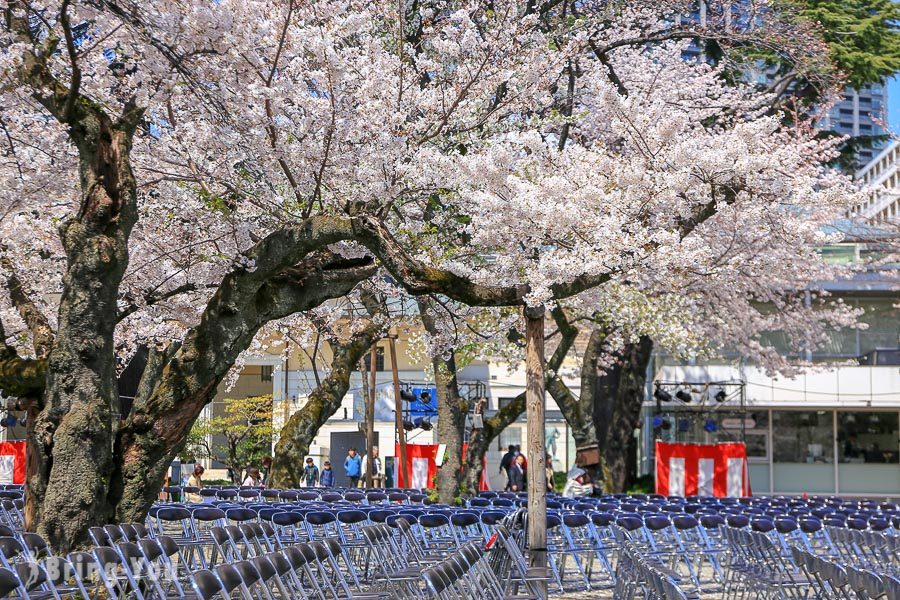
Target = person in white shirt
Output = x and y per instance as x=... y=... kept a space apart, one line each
x=253 y=479
x=377 y=473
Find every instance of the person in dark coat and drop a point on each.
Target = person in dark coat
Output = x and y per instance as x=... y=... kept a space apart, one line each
x=518 y=475
x=326 y=479
x=507 y=461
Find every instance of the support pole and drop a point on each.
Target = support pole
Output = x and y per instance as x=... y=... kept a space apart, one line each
x=537 y=454
x=370 y=417
x=401 y=433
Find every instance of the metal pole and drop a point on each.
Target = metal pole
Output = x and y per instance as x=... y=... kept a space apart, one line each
x=535 y=402
x=402 y=468
x=370 y=417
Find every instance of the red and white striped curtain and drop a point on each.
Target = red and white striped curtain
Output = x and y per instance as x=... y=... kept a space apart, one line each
x=702 y=469
x=12 y=462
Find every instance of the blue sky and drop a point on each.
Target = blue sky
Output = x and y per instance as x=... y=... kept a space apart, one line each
x=893 y=116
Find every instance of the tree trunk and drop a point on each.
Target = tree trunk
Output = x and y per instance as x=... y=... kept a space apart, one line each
x=301 y=429
x=617 y=412
x=281 y=284
x=451 y=425
x=536 y=401
x=71 y=442
x=480 y=440
x=452 y=410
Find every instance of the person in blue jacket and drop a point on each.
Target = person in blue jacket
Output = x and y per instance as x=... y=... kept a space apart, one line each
x=326 y=479
x=353 y=467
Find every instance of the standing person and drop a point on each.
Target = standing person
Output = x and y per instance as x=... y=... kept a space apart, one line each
x=196 y=480
x=507 y=461
x=549 y=470
x=524 y=458
x=310 y=473
x=518 y=476
x=377 y=473
x=253 y=478
x=266 y=467
x=327 y=476
x=353 y=467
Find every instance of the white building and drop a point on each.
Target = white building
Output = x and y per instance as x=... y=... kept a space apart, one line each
x=829 y=431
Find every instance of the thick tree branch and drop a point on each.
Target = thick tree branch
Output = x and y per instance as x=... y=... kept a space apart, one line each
x=603 y=57
x=419 y=279
x=75 y=82
x=725 y=194
x=19 y=376
x=155 y=297
x=285 y=273
x=35 y=320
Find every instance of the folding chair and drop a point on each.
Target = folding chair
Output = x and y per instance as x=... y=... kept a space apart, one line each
x=116 y=572
x=253 y=579
x=231 y=580
x=207 y=586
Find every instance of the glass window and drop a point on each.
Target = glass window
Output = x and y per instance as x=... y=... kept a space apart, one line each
x=755 y=431
x=379 y=359
x=883 y=319
x=265 y=373
x=511 y=436
x=867 y=437
x=802 y=436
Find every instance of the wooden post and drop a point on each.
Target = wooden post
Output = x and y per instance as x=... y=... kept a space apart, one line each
x=401 y=433
x=370 y=416
x=537 y=454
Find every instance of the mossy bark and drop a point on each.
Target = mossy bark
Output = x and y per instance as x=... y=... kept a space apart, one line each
x=71 y=442
x=617 y=412
x=451 y=412
x=159 y=424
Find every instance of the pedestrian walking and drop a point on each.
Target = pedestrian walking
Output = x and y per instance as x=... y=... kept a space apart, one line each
x=518 y=475
x=266 y=468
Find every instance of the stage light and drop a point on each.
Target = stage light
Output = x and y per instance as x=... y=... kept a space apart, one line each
x=684 y=396
x=721 y=396
x=408 y=426
x=662 y=395
x=407 y=396
x=422 y=423
x=425 y=397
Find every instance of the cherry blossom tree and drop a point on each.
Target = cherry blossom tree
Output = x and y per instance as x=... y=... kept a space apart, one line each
x=181 y=175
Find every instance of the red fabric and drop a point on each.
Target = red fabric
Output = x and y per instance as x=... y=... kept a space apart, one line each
x=692 y=453
x=484 y=484
x=17 y=450
x=414 y=451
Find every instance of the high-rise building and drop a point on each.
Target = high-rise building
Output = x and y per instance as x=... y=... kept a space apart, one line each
x=861 y=114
